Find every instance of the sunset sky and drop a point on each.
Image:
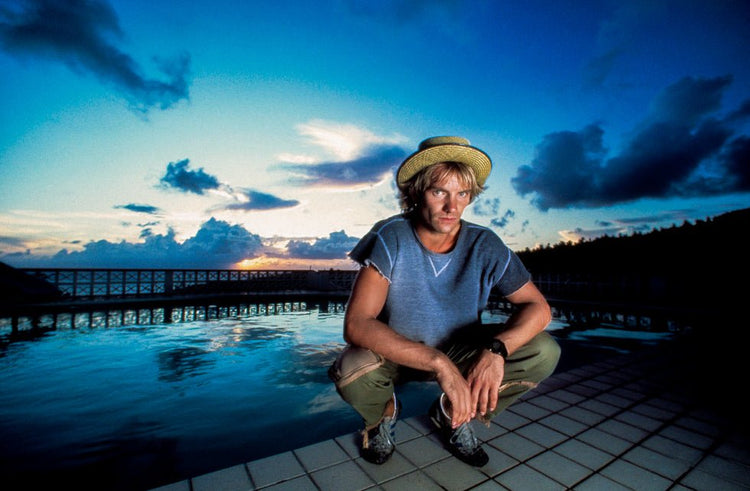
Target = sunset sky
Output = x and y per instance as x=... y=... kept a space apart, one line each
x=219 y=134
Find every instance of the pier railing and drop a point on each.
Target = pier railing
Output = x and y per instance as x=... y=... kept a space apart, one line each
x=122 y=283
x=171 y=294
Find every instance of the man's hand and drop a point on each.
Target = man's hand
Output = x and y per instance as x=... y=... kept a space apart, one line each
x=458 y=391
x=484 y=379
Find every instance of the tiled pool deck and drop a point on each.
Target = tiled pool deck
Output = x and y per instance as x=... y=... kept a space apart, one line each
x=632 y=422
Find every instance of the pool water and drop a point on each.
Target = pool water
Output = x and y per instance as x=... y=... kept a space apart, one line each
x=134 y=407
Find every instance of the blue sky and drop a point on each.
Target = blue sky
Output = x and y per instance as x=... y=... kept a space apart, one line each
x=225 y=134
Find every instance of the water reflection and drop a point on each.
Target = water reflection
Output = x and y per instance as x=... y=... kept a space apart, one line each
x=166 y=401
x=30 y=326
x=309 y=364
x=178 y=363
x=153 y=404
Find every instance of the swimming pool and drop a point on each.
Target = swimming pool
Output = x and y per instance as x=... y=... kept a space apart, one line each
x=133 y=407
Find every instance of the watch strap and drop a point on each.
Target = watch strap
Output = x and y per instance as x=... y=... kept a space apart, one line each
x=498 y=347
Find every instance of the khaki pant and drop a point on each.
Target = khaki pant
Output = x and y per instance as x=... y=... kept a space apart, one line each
x=366 y=380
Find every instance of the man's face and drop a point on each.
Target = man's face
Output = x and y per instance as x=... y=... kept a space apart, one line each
x=443 y=204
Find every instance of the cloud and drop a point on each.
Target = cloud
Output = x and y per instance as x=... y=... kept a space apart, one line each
x=377 y=163
x=630 y=225
x=148 y=224
x=12 y=242
x=486 y=207
x=181 y=178
x=335 y=246
x=688 y=101
x=615 y=37
x=148 y=209
x=490 y=207
x=736 y=159
x=255 y=200
x=217 y=244
x=359 y=157
x=739 y=115
x=343 y=141
x=680 y=149
x=502 y=222
x=85 y=36
x=598 y=69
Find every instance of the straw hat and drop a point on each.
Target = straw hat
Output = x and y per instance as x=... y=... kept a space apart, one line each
x=445 y=149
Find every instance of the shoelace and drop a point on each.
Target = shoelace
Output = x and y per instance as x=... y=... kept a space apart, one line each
x=464 y=440
x=384 y=439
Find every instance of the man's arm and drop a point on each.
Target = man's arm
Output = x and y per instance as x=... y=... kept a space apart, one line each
x=530 y=318
x=363 y=329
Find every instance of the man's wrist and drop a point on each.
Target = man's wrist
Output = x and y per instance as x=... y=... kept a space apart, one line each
x=497 y=347
x=440 y=362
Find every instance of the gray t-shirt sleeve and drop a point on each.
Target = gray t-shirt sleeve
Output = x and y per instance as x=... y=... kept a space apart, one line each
x=501 y=269
x=372 y=250
x=514 y=277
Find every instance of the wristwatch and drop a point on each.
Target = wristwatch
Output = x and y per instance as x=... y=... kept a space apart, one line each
x=498 y=347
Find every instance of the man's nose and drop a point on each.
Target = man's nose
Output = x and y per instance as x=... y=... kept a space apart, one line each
x=451 y=203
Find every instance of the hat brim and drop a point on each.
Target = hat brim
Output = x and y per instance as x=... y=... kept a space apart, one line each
x=471 y=156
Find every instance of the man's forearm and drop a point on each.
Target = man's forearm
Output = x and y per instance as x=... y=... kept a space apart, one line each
x=382 y=339
x=525 y=323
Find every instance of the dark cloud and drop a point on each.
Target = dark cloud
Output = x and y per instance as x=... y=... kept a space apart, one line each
x=217 y=237
x=335 y=246
x=638 y=224
x=486 y=207
x=502 y=222
x=681 y=149
x=148 y=209
x=255 y=200
x=740 y=114
x=688 y=101
x=13 y=242
x=216 y=245
x=181 y=178
x=84 y=35
x=377 y=163
x=565 y=164
x=597 y=70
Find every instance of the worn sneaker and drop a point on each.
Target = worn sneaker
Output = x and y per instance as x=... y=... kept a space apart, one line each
x=460 y=441
x=378 y=443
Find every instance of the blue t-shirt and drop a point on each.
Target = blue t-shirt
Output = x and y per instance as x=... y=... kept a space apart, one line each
x=432 y=295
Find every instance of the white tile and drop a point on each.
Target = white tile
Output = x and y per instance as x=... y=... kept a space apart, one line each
x=319 y=455
x=276 y=468
x=229 y=479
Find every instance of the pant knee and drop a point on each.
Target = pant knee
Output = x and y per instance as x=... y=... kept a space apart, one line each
x=549 y=354
x=536 y=360
x=365 y=381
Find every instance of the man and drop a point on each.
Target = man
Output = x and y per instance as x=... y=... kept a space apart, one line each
x=415 y=308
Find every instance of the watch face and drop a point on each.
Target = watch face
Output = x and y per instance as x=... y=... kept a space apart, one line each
x=499 y=348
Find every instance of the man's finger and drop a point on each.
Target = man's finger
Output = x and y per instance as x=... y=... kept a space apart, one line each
x=494 y=396
x=482 y=406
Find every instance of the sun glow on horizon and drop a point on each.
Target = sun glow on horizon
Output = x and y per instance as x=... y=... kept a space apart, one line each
x=282 y=263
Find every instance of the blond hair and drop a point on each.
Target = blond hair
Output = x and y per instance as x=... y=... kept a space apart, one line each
x=411 y=193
